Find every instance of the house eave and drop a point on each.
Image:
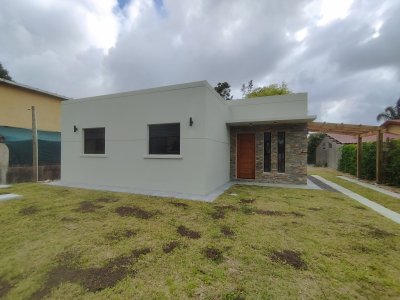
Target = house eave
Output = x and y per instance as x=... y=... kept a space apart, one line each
x=292 y=120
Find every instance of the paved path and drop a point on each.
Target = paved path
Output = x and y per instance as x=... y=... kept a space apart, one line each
x=372 y=187
x=9 y=197
x=4 y=186
x=320 y=184
x=374 y=206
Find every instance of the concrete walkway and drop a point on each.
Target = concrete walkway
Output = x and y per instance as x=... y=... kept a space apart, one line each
x=207 y=198
x=4 y=186
x=374 y=206
x=372 y=187
x=6 y=197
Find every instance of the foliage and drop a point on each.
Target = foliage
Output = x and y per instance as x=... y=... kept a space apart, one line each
x=391 y=112
x=247 y=89
x=368 y=160
x=392 y=163
x=314 y=139
x=224 y=89
x=4 y=73
x=348 y=160
x=270 y=90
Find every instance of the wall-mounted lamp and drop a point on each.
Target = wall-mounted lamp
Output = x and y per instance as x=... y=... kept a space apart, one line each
x=75 y=128
x=190 y=121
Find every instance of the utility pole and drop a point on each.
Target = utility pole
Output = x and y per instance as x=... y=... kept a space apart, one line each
x=35 y=160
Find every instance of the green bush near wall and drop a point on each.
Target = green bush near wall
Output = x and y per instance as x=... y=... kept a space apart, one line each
x=347 y=162
x=391 y=170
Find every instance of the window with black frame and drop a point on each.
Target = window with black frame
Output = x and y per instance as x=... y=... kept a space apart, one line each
x=281 y=152
x=267 y=151
x=164 y=138
x=94 y=140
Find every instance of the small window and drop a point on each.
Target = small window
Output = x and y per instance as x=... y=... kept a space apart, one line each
x=164 y=138
x=94 y=140
x=267 y=151
x=330 y=145
x=281 y=152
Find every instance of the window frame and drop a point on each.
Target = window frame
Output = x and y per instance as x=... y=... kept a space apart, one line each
x=163 y=155
x=267 y=163
x=281 y=156
x=84 y=153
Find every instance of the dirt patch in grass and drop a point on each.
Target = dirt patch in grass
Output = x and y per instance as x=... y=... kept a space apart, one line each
x=120 y=235
x=107 y=199
x=68 y=219
x=133 y=211
x=30 y=210
x=314 y=208
x=179 y=204
x=93 y=279
x=277 y=213
x=220 y=210
x=213 y=254
x=289 y=257
x=5 y=287
x=247 y=201
x=360 y=207
x=378 y=233
x=183 y=231
x=169 y=247
x=227 y=231
x=87 y=206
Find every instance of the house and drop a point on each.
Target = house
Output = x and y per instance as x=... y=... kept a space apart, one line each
x=328 y=152
x=182 y=139
x=16 y=129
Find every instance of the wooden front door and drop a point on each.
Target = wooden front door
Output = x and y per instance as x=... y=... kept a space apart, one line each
x=246 y=157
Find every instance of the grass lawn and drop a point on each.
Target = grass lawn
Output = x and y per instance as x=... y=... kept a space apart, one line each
x=385 y=200
x=261 y=243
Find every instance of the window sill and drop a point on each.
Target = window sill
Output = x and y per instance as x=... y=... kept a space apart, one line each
x=94 y=155
x=168 y=156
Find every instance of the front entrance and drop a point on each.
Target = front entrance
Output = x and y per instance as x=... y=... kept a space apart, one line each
x=246 y=156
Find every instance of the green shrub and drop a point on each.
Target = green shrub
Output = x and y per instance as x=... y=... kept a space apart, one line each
x=347 y=162
x=368 y=163
x=391 y=167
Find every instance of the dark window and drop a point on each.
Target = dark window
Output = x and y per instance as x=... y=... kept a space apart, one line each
x=267 y=151
x=164 y=139
x=330 y=145
x=281 y=152
x=94 y=140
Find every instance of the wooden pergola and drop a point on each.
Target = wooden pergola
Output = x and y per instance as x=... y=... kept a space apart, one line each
x=360 y=131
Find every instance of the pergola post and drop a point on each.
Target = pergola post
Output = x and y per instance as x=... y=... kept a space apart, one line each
x=379 y=140
x=359 y=155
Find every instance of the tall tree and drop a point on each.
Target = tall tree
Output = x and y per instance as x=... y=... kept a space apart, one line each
x=247 y=89
x=224 y=89
x=4 y=73
x=391 y=112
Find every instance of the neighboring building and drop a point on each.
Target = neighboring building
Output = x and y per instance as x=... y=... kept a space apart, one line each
x=16 y=127
x=328 y=152
x=183 y=138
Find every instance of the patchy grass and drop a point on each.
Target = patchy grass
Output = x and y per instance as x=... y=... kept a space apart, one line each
x=385 y=200
x=319 y=245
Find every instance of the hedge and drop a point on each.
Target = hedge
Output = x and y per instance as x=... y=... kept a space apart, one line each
x=391 y=161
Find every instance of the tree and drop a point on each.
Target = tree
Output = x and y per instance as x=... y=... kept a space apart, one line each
x=4 y=73
x=270 y=90
x=247 y=89
x=391 y=113
x=224 y=89
x=313 y=141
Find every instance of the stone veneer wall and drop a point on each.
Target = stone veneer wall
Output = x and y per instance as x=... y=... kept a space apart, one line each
x=295 y=158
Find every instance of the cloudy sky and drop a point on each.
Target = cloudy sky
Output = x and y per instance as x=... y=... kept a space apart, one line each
x=344 y=53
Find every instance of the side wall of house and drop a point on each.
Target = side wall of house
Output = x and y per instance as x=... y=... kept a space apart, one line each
x=328 y=153
x=15 y=103
x=216 y=141
x=295 y=152
x=126 y=118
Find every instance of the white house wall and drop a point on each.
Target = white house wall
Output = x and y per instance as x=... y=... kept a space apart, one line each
x=125 y=118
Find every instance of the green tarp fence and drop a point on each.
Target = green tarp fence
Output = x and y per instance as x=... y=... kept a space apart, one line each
x=19 y=142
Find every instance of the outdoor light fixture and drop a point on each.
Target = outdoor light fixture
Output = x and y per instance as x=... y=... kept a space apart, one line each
x=190 y=121
x=75 y=128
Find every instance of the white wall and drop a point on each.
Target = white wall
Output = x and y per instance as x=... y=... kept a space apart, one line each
x=125 y=118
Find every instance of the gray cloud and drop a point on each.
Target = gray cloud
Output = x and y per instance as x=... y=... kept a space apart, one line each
x=81 y=48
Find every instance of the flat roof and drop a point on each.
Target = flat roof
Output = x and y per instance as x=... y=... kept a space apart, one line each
x=36 y=90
